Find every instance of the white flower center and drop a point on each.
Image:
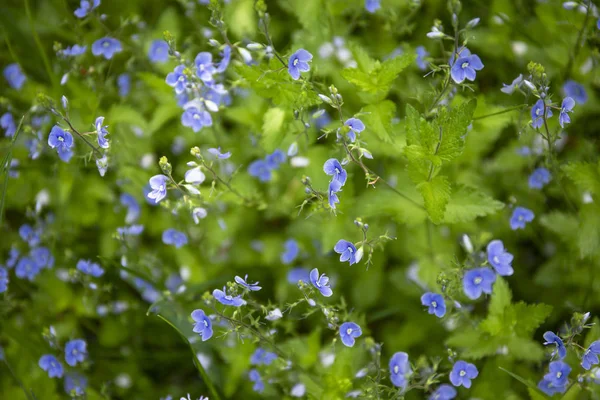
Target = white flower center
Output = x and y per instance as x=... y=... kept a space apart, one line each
x=465 y=65
x=348 y=331
x=396 y=369
x=296 y=61
x=434 y=304
x=462 y=373
x=496 y=259
x=477 y=280
x=61 y=139
x=538 y=112
x=558 y=375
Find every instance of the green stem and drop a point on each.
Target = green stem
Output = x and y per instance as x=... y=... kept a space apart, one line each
x=16 y=378
x=6 y=165
x=578 y=43
x=507 y=110
x=40 y=47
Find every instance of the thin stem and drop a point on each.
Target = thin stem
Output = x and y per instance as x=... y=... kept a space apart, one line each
x=270 y=41
x=6 y=165
x=231 y=189
x=40 y=47
x=94 y=148
x=16 y=378
x=507 y=110
x=578 y=43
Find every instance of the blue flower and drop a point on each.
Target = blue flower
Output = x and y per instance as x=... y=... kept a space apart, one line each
x=75 y=352
x=250 y=286
x=435 y=302
x=75 y=383
x=227 y=299
x=349 y=331
x=465 y=66
x=204 y=66
x=422 y=53
x=356 y=126
x=217 y=153
x=106 y=47
x=90 y=268
x=260 y=170
x=203 y=324
x=477 y=281
x=299 y=62
x=158 y=183
x=61 y=141
x=346 y=250
x=372 y=5
x=14 y=76
x=195 y=176
x=537 y=114
x=133 y=230
x=499 y=258
x=443 y=392
x=590 y=356
x=259 y=385
x=13 y=255
x=86 y=7
x=566 y=107
x=51 y=365
x=516 y=83
x=196 y=119
x=320 y=282
x=559 y=373
x=275 y=159
x=7 y=122
x=159 y=51
x=462 y=373
x=29 y=235
x=552 y=338
x=400 y=369
x=298 y=274
x=575 y=91
x=177 y=79
x=26 y=269
x=549 y=388
x=520 y=217
x=332 y=197
x=3 y=279
x=291 y=251
x=262 y=357
x=124 y=84
x=42 y=257
x=73 y=51
x=174 y=237
x=332 y=167
x=539 y=178
x=224 y=63
x=102 y=132
x=133 y=207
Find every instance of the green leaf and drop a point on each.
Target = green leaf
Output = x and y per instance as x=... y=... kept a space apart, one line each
x=378 y=119
x=588 y=237
x=454 y=126
x=527 y=382
x=528 y=317
x=565 y=226
x=436 y=194
x=273 y=131
x=466 y=204
x=585 y=175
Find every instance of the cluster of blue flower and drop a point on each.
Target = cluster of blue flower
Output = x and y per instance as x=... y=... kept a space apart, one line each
x=75 y=353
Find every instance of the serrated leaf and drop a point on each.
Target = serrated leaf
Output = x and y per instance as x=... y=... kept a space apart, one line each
x=378 y=119
x=585 y=175
x=564 y=225
x=436 y=194
x=528 y=317
x=501 y=297
x=525 y=349
x=453 y=125
x=466 y=204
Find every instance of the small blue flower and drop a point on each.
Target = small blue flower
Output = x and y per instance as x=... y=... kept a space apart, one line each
x=590 y=356
x=75 y=351
x=75 y=383
x=42 y=257
x=159 y=51
x=7 y=122
x=204 y=66
x=158 y=183
x=346 y=250
x=250 y=286
x=222 y=297
x=465 y=66
x=332 y=167
x=291 y=250
x=195 y=176
x=559 y=373
x=217 y=153
x=356 y=126
x=575 y=91
x=262 y=357
x=499 y=258
x=73 y=51
x=298 y=274
x=566 y=107
x=133 y=207
x=332 y=197
x=102 y=132
x=196 y=119
x=462 y=373
x=86 y=7
x=3 y=279
x=320 y=282
x=203 y=324
x=26 y=269
x=224 y=63
x=372 y=5
x=477 y=281
x=443 y=392
x=520 y=217
x=552 y=338
x=422 y=53
x=299 y=63
x=106 y=47
x=516 y=83
x=260 y=170
x=62 y=141
x=400 y=369
x=14 y=76
x=349 y=331
x=275 y=159
x=177 y=79
x=435 y=302
x=29 y=235
x=124 y=84
x=537 y=114
x=51 y=365
x=13 y=256
x=90 y=268
x=259 y=385
x=549 y=388
x=174 y=237
x=539 y=178
x=133 y=230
